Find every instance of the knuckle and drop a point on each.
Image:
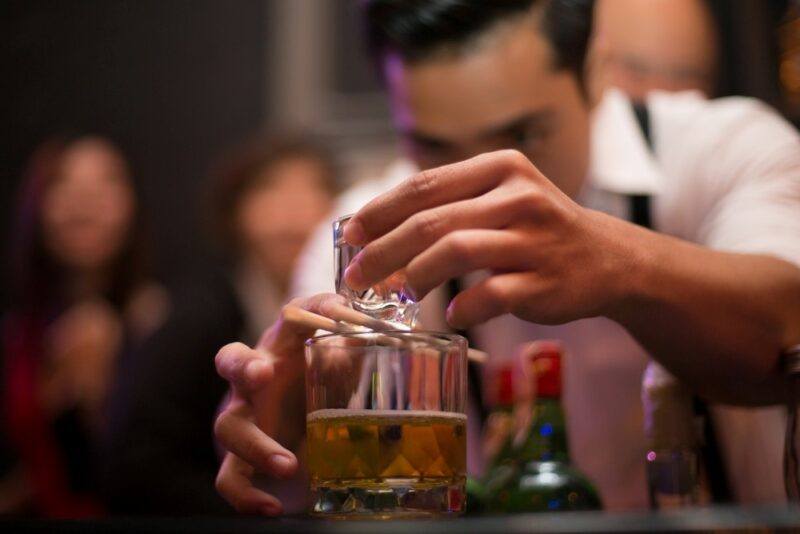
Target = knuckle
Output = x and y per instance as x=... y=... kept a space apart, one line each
x=526 y=201
x=461 y=248
x=515 y=160
x=422 y=183
x=325 y=306
x=532 y=197
x=334 y=299
x=497 y=294
x=428 y=225
x=328 y=302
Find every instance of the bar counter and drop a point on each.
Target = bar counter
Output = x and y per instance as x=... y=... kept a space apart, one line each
x=712 y=519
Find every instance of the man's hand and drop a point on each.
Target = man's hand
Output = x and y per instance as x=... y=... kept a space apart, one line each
x=550 y=260
x=249 y=425
x=717 y=320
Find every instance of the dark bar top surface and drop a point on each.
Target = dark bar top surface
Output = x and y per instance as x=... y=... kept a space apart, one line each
x=717 y=519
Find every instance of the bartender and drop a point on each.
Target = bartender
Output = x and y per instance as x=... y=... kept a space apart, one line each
x=545 y=236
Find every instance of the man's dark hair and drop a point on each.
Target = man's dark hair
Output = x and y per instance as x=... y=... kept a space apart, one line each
x=417 y=29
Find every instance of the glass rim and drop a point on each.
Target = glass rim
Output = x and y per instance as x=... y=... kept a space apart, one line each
x=343 y=218
x=451 y=338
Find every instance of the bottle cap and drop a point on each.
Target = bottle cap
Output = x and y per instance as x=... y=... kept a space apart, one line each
x=502 y=389
x=545 y=358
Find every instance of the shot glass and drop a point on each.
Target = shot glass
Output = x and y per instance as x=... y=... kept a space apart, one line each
x=385 y=300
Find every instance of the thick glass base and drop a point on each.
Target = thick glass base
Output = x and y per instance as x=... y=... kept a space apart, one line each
x=395 y=498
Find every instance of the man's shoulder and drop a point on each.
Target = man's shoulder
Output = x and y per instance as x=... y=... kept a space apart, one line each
x=685 y=104
x=729 y=166
x=689 y=120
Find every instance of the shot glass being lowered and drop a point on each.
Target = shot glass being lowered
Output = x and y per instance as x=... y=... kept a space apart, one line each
x=385 y=300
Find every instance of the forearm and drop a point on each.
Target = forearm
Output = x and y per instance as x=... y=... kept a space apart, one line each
x=717 y=320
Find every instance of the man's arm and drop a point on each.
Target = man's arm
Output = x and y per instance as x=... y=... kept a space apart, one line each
x=737 y=164
x=717 y=320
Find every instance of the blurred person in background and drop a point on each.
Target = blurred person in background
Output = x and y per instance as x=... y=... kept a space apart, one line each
x=713 y=46
x=640 y=46
x=82 y=298
x=264 y=200
x=716 y=180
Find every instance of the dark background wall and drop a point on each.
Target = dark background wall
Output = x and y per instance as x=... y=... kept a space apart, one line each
x=173 y=82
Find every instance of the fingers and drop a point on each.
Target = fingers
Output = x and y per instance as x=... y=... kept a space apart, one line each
x=463 y=252
x=323 y=303
x=239 y=434
x=397 y=248
x=489 y=298
x=246 y=369
x=431 y=188
x=286 y=337
x=234 y=484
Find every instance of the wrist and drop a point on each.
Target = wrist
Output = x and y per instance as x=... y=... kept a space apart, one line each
x=637 y=258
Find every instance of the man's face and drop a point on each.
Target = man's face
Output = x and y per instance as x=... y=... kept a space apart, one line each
x=503 y=93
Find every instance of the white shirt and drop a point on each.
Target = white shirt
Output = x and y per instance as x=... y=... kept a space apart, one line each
x=726 y=174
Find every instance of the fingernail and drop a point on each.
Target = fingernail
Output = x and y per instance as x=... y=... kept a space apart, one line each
x=354 y=232
x=449 y=316
x=353 y=275
x=280 y=464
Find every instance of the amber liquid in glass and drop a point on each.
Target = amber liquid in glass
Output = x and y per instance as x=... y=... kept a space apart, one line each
x=387 y=459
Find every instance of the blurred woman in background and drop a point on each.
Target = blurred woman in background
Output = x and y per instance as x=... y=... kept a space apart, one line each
x=264 y=200
x=81 y=297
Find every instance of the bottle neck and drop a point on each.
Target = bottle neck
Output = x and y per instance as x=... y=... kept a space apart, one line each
x=547 y=434
x=503 y=409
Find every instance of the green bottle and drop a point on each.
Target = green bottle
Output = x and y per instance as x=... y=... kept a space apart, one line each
x=475 y=497
x=538 y=476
